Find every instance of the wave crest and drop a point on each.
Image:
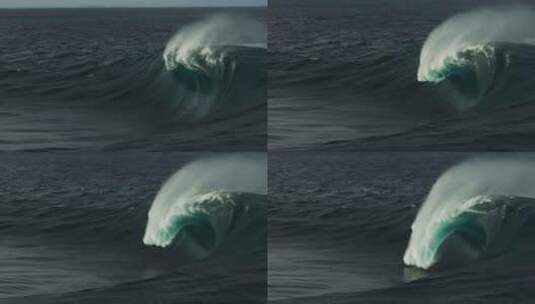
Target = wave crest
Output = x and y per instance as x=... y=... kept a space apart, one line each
x=201 y=46
x=471 y=58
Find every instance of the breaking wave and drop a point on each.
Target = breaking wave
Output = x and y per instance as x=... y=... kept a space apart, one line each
x=474 y=210
x=484 y=62
x=204 y=57
x=200 y=46
x=206 y=203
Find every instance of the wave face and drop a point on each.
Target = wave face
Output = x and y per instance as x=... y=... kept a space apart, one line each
x=478 y=58
x=206 y=203
x=473 y=211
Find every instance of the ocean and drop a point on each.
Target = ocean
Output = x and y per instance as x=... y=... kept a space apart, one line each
x=113 y=79
x=399 y=144
x=76 y=228
x=398 y=75
x=137 y=146
x=119 y=130
x=340 y=223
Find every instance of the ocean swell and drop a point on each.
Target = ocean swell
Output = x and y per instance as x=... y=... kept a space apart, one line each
x=210 y=69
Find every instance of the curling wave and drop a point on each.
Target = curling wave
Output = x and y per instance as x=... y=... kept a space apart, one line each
x=484 y=62
x=204 y=57
x=200 y=207
x=199 y=46
x=474 y=210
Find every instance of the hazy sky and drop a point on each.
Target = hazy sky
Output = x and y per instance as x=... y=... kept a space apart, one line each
x=106 y=3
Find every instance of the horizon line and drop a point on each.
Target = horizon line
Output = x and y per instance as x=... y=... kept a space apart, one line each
x=141 y=6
